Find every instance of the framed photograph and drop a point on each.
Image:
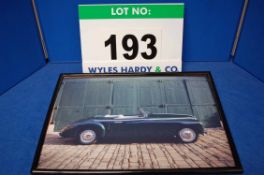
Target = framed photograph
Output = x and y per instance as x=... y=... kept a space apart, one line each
x=135 y=123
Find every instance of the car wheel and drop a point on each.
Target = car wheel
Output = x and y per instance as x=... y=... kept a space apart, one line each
x=87 y=137
x=187 y=135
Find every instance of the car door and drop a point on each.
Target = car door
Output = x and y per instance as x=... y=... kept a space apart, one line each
x=121 y=128
x=156 y=128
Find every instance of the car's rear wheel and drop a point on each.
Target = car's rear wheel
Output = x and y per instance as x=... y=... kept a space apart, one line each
x=187 y=135
x=87 y=136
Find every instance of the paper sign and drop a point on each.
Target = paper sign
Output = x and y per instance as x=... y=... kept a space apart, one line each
x=127 y=38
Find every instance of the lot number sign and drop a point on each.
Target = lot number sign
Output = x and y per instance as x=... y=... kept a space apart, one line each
x=128 y=38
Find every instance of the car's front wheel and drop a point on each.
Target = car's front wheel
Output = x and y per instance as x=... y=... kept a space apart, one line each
x=87 y=136
x=187 y=135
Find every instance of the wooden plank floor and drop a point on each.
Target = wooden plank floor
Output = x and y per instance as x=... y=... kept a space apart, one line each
x=211 y=150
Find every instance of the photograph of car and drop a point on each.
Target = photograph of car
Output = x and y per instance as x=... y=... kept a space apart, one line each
x=135 y=123
x=185 y=128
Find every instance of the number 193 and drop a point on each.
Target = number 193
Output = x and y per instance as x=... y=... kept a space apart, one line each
x=149 y=39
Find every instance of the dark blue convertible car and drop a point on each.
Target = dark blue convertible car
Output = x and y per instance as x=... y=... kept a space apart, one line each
x=185 y=128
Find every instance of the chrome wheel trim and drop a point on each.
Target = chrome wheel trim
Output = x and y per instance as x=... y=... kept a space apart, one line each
x=87 y=136
x=187 y=135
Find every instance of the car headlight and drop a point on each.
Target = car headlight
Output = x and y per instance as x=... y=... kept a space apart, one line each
x=67 y=127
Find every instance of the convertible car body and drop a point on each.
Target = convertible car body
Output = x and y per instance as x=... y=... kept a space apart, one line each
x=185 y=128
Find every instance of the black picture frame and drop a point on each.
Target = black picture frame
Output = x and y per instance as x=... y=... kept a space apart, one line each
x=237 y=168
